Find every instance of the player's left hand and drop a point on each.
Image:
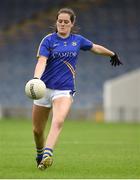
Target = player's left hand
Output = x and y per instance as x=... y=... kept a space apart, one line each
x=115 y=60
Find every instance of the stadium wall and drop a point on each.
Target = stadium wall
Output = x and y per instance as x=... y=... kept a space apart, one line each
x=92 y=114
x=122 y=98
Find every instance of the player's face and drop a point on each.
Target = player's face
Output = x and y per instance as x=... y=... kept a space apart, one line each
x=64 y=24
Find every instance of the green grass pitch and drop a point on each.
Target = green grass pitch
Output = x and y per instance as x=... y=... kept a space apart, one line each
x=85 y=150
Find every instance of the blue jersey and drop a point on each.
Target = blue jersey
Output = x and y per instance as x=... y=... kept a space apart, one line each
x=62 y=56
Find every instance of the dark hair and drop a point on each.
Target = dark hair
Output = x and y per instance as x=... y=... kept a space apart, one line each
x=69 y=11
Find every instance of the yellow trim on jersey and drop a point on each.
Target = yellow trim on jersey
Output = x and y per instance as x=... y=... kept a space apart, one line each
x=41 y=43
x=70 y=68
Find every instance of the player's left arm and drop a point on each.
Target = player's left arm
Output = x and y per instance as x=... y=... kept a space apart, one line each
x=101 y=50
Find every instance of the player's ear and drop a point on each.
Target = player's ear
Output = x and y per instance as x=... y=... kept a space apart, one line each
x=72 y=25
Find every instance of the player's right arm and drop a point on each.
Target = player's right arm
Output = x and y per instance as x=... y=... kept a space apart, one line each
x=40 y=66
x=42 y=55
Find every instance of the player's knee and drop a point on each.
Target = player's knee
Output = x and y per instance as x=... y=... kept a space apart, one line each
x=58 y=124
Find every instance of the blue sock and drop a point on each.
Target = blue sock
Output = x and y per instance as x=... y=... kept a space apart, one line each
x=48 y=152
x=40 y=152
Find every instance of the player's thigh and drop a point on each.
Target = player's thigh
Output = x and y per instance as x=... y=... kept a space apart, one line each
x=61 y=107
x=40 y=116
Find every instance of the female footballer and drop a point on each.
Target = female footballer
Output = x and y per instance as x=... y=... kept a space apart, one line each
x=57 y=56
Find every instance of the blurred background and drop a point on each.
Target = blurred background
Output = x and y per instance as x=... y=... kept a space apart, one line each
x=104 y=93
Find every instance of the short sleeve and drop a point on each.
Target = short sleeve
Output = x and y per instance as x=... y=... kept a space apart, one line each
x=44 y=48
x=85 y=44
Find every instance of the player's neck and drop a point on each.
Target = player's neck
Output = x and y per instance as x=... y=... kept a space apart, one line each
x=63 y=35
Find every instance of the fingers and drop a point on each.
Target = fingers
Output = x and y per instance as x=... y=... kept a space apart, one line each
x=115 y=62
x=121 y=63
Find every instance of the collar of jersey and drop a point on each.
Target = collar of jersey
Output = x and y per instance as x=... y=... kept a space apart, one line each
x=62 y=38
